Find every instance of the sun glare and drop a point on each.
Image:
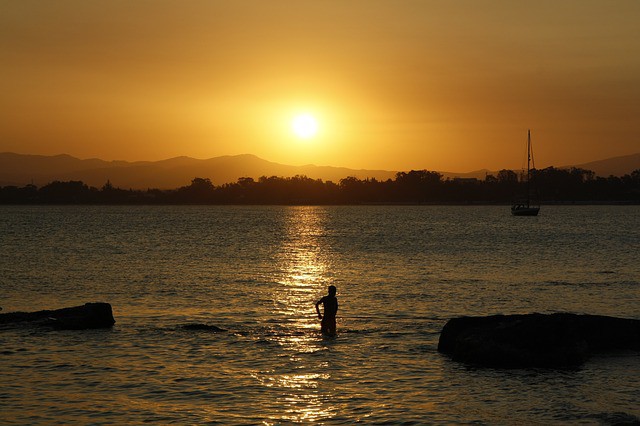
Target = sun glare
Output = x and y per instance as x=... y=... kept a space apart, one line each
x=304 y=126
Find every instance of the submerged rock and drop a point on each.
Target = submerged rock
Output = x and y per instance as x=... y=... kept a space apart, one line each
x=89 y=315
x=203 y=327
x=536 y=340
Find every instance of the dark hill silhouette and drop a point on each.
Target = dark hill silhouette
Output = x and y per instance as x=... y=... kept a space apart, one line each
x=615 y=166
x=20 y=170
x=11 y=163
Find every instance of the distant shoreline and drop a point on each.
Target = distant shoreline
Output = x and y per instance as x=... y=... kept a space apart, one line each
x=548 y=186
x=391 y=204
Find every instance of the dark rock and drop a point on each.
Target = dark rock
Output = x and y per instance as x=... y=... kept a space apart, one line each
x=536 y=340
x=203 y=327
x=616 y=418
x=89 y=315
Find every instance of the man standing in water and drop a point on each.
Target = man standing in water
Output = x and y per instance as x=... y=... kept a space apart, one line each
x=330 y=305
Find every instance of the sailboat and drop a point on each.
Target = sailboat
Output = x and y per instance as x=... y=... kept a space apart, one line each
x=526 y=209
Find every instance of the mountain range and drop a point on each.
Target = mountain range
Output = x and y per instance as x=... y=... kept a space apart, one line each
x=22 y=169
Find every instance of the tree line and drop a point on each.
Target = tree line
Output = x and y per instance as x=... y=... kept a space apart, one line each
x=551 y=185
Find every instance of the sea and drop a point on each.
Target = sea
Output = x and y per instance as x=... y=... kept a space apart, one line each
x=256 y=271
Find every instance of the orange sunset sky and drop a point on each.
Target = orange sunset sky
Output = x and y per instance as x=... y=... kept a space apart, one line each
x=396 y=85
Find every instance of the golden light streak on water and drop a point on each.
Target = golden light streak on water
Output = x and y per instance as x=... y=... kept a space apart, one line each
x=304 y=264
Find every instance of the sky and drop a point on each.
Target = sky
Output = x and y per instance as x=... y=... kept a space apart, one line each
x=393 y=85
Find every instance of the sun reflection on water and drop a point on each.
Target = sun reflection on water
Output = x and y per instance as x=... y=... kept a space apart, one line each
x=303 y=265
x=304 y=273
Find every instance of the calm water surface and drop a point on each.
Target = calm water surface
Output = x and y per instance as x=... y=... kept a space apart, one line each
x=401 y=272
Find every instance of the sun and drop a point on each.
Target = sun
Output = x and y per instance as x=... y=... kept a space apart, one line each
x=304 y=126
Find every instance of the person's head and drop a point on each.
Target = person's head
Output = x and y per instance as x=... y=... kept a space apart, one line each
x=332 y=290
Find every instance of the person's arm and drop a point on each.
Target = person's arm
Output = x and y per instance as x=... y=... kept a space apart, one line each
x=318 y=309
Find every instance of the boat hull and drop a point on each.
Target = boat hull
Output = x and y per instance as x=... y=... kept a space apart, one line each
x=525 y=211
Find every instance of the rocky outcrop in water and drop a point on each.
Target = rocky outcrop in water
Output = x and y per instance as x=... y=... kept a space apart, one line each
x=536 y=340
x=203 y=327
x=87 y=316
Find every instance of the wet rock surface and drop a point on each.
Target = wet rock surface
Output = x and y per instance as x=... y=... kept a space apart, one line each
x=536 y=340
x=87 y=316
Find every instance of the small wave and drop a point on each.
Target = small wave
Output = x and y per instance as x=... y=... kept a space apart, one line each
x=396 y=317
x=577 y=284
x=245 y=281
x=61 y=366
x=358 y=331
x=394 y=335
x=421 y=349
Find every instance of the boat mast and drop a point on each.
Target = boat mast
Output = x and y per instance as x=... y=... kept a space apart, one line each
x=528 y=167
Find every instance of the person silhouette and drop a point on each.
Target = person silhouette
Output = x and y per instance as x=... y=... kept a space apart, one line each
x=330 y=306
